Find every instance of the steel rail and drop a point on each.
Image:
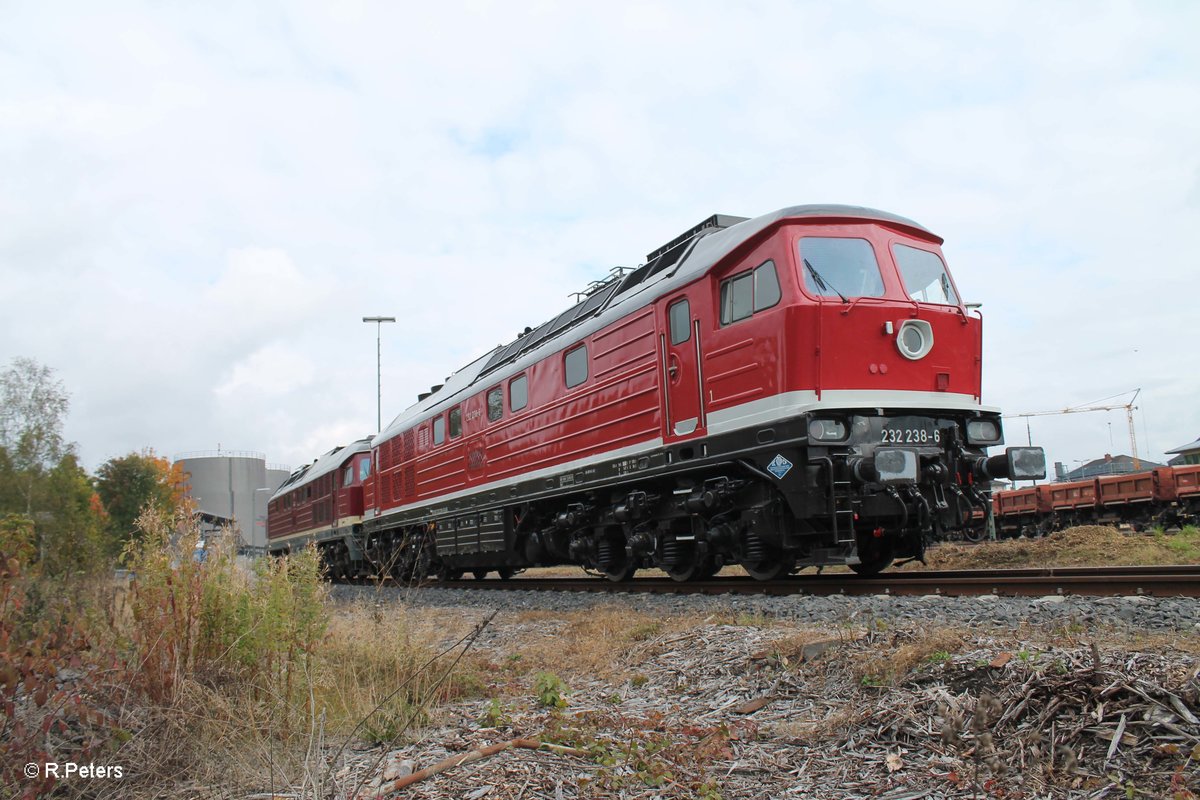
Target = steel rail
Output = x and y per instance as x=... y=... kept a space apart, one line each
x=1167 y=581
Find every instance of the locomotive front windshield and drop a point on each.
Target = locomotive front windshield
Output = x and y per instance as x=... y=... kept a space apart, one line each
x=840 y=267
x=924 y=276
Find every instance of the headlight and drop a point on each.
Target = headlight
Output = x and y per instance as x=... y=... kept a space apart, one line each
x=914 y=340
x=983 y=431
x=827 y=430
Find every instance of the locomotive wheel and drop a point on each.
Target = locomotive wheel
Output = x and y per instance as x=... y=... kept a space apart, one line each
x=974 y=533
x=768 y=570
x=696 y=569
x=448 y=574
x=621 y=573
x=612 y=560
x=873 y=556
x=479 y=574
x=403 y=566
x=505 y=573
x=424 y=567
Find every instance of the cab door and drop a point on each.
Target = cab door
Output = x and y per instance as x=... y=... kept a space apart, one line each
x=682 y=378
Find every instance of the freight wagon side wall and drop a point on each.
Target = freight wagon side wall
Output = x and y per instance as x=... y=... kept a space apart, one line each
x=1187 y=481
x=1121 y=489
x=1076 y=494
x=1017 y=501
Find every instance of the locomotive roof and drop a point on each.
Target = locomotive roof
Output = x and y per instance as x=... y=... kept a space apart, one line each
x=677 y=263
x=323 y=465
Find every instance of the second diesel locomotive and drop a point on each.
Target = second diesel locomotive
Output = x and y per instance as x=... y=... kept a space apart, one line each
x=799 y=389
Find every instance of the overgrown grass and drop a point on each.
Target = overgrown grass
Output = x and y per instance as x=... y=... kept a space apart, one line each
x=1087 y=545
x=1184 y=543
x=229 y=676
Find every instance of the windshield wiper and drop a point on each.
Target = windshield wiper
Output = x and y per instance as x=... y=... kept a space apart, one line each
x=821 y=281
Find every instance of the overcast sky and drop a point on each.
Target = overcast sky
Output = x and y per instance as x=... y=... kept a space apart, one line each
x=199 y=202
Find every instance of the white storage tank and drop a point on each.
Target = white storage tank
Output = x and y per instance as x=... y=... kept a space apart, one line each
x=233 y=484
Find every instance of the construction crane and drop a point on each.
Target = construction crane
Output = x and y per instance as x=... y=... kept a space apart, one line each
x=1129 y=409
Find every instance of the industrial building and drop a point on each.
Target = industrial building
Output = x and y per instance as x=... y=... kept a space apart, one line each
x=1185 y=454
x=234 y=486
x=1109 y=465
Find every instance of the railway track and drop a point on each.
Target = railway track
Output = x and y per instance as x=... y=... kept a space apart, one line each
x=1160 y=581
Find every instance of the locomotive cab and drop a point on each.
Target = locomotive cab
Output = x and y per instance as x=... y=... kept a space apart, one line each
x=878 y=364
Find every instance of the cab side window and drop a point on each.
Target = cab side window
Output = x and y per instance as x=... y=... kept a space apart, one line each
x=680 y=317
x=455 y=423
x=746 y=294
x=766 y=287
x=439 y=429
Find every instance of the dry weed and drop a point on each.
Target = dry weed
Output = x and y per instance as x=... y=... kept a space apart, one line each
x=1088 y=545
x=836 y=721
x=593 y=641
x=886 y=663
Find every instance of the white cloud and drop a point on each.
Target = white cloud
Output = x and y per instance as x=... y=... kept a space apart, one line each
x=199 y=205
x=271 y=373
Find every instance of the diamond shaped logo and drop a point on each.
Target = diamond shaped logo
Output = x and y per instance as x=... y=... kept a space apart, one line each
x=779 y=467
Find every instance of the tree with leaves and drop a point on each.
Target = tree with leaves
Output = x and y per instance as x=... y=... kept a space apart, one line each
x=71 y=522
x=128 y=484
x=44 y=492
x=33 y=407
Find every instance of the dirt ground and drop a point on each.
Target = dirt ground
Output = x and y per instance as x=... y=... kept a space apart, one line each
x=615 y=703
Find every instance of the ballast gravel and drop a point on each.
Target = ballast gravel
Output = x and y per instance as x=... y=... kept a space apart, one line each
x=1136 y=613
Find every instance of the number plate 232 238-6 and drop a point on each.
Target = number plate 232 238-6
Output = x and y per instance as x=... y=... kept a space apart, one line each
x=911 y=434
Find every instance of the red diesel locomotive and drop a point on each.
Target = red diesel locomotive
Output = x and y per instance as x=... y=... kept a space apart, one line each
x=798 y=389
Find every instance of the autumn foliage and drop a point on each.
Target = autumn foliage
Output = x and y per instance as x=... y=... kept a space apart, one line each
x=59 y=685
x=129 y=484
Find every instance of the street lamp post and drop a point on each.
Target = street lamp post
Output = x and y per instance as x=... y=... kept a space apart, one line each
x=378 y=368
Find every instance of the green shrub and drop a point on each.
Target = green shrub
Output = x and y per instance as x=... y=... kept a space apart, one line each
x=549 y=689
x=210 y=619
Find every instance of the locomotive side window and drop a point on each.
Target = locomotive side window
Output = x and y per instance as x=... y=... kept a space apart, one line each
x=766 y=286
x=495 y=403
x=681 y=322
x=439 y=429
x=924 y=276
x=576 y=366
x=455 y=423
x=364 y=469
x=348 y=476
x=737 y=298
x=518 y=393
x=750 y=292
x=837 y=267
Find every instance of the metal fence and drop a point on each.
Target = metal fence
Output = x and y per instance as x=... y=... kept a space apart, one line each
x=220 y=454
